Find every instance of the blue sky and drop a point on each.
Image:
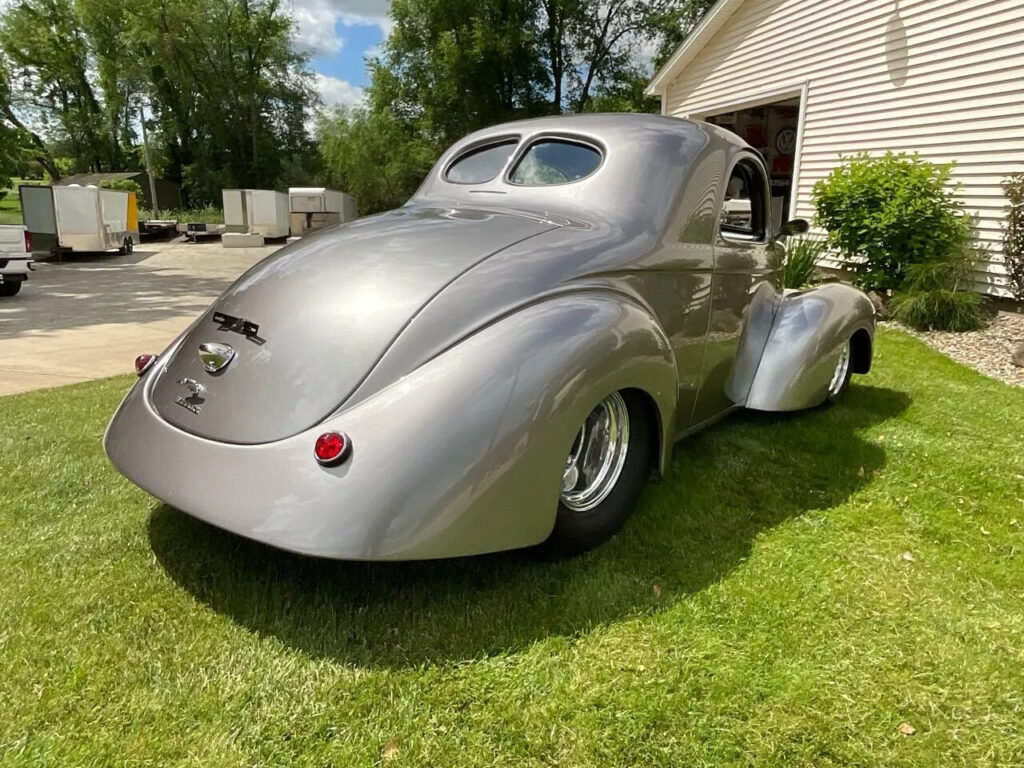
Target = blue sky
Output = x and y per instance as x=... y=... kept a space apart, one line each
x=338 y=35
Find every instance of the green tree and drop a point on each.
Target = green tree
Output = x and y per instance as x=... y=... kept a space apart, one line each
x=16 y=142
x=229 y=94
x=453 y=66
x=51 y=62
x=374 y=156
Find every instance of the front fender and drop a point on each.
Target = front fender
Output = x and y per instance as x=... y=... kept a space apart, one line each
x=462 y=456
x=804 y=345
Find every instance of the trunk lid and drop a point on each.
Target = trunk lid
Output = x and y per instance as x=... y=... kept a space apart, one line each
x=327 y=308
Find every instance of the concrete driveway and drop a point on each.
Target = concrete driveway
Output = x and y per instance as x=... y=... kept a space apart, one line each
x=88 y=317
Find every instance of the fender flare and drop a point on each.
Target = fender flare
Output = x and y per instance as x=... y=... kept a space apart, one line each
x=803 y=346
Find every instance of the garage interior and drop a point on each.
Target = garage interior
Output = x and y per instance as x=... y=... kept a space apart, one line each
x=772 y=130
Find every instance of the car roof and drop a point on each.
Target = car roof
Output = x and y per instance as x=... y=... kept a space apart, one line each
x=647 y=161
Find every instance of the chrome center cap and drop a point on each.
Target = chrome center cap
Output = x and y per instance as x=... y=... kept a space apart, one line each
x=215 y=356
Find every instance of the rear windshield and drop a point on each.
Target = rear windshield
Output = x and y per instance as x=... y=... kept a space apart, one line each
x=555 y=161
x=480 y=165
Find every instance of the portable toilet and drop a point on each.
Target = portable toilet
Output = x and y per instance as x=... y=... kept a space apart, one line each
x=256 y=211
x=313 y=208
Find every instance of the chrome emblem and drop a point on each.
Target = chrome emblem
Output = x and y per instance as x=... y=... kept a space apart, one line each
x=215 y=356
x=193 y=401
x=193 y=386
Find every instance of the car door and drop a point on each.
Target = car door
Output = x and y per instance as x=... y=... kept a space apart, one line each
x=745 y=288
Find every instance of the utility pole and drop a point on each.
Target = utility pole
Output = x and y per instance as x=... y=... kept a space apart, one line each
x=149 y=165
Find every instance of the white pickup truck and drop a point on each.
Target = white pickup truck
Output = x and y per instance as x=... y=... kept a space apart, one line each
x=15 y=258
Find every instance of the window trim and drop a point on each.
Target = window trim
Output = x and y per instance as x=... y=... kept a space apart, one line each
x=763 y=233
x=479 y=146
x=564 y=138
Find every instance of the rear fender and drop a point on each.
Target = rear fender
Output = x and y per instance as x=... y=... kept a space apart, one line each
x=463 y=455
x=803 y=347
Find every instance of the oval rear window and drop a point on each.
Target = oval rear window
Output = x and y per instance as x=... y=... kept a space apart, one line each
x=482 y=164
x=555 y=161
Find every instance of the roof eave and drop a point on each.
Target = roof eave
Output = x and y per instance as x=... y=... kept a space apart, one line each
x=712 y=21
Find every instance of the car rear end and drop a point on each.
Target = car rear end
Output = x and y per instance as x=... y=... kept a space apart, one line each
x=15 y=258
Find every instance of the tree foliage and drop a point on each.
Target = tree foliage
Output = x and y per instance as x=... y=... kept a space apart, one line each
x=1013 y=235
x=359 y=149
x=122 y=185
x=451 y=67
x=227 y=97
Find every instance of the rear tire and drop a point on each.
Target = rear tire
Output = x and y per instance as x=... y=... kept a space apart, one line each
x=10 y=287
x=598 y=495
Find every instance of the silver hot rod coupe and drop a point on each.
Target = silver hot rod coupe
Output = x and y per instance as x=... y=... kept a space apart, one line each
x=500 y=362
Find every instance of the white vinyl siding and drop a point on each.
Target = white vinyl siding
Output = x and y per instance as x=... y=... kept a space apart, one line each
x=944 y=78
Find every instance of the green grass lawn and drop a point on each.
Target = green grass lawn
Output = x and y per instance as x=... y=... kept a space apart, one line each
x=10 y=207
x=798 y=589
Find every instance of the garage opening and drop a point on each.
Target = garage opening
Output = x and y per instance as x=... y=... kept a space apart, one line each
x=771 y=129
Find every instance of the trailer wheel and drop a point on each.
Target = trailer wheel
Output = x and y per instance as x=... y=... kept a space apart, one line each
x=131 y=245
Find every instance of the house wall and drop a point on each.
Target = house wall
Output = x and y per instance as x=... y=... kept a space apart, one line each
x=942 y=77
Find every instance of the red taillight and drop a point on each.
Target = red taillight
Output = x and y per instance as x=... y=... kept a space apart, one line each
x=143 y=363
x=331 y=448
x=28 y=241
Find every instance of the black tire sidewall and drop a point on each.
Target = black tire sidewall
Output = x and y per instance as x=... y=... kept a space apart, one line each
x=576 y=532
x=10 y=287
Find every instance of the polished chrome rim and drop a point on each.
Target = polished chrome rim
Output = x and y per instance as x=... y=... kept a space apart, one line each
x=842 y=366
x=597 y=455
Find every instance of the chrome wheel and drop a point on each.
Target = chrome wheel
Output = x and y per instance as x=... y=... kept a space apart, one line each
x=597 y=455
x=842 y=368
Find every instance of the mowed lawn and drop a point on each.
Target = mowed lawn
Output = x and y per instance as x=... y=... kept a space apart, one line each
x=799 y=592
x=10 y=207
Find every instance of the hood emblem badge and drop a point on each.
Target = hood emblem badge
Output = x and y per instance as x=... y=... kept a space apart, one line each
x=193 y=401
x=215 y=356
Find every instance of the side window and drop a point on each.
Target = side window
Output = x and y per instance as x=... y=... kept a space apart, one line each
x=481 y=164
x=744 y=210
x=555 y=161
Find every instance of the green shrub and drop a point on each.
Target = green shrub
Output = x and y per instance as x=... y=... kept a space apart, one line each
x=123 y=185
x=937 y=295
x=886 y=213
x=1013 y=235
x=802 y=257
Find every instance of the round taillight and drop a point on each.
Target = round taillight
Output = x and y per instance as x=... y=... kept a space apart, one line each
x=331 y=448
x=143 y=363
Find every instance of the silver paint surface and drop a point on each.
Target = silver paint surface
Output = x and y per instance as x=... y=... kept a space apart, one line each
x=461 y=340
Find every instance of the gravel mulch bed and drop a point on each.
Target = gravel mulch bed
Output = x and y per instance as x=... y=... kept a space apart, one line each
x=988 y=351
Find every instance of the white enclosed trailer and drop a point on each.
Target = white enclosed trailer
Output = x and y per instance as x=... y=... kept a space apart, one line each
x=316 y=207
x=256 y=211
x=75 y=218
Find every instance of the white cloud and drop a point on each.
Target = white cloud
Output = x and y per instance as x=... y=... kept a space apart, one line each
x=317 y=22
x=338 y=93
